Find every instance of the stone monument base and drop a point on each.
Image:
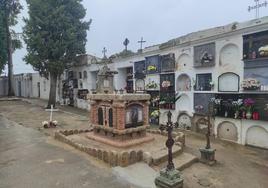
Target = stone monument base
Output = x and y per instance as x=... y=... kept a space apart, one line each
x=120 y=138
x=207 y=156
x=169 y=179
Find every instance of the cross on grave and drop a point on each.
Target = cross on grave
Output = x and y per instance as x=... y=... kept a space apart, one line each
x=257 y=7
x=125 y=43
x=51 y=110
x=104 y=51
x=141 y=42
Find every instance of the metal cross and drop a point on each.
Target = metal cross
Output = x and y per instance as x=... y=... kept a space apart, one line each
x=141 y=42
x=170 y=141
x=257 y=7
x=104 y=52
x=126 y=42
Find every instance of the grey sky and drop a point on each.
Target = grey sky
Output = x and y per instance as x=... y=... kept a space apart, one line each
x=156 y=20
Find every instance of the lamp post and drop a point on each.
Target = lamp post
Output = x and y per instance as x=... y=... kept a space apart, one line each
x=169 y=177
x=207 y=153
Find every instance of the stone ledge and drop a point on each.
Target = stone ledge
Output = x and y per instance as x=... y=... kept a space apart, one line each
x=120 y=144
x=179 y=137
x=112 y=158
x=120 y=132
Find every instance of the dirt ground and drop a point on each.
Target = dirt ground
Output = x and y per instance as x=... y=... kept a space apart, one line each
x=32 y=115
x=237 y=166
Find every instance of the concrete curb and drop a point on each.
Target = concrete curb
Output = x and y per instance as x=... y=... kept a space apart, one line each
x=112 y=158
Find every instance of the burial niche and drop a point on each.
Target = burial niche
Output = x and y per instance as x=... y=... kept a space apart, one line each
x=134 y=116
x=228 y=131
x=183 y=83
x=229 y=82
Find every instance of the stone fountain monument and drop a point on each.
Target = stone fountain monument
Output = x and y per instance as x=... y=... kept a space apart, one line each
x=118 y=119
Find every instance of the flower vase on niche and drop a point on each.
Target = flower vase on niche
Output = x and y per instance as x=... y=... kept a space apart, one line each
x=236 y=115
x=244 y=115
x=256 y=115
x=248 y=115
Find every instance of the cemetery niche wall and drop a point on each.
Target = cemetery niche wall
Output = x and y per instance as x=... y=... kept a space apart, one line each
x=139 y=69
x=167 y=91
x=183 y=83
x=228 y=82
x=168 y=63
x=118 y=119
x=153 y=64
x=227 y=106
x=255 y=46
x=204 y=55
x=255 y=56
x=203 y=82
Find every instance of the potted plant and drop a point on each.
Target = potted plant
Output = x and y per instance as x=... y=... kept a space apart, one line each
x=237 y=107
x=266 y=108
x=152 y=85
x=251 y=84
x=194 y=83
x=248 y=104
x=217 y=104
x=199 y=108
x=151 y=68
x=211 y=83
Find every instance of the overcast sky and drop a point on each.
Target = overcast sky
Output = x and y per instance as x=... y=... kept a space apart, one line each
x=156 y=21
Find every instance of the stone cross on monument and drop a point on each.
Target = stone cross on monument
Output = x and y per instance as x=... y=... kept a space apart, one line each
x=141 y=42
x=257 y=7
x=104 y=52
x=126 y=42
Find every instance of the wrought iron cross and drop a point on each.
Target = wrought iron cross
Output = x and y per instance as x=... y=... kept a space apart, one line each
x=170 y=141
x=104 y=52
x=126 y=42
x=257 y=7
x=141 y=42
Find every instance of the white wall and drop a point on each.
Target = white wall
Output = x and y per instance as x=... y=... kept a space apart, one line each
x=250 y=132
x=3 y=86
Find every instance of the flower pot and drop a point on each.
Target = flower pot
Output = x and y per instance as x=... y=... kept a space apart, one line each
x=215 y=111
x=248 y=115
x=236 y=115
x=256 y=116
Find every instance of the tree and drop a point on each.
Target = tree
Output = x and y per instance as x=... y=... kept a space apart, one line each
x=3 y=43
x=9 y=10
x=55 y=34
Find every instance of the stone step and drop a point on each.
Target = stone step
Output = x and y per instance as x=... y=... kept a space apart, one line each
x=161 y=155
x=184 y=160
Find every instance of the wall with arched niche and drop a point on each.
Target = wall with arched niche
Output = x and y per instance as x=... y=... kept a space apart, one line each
x=227 y=131
x=257 y=136
x=184 y=103
x=230 y=58
x=184 y=62
x=228 y=82
x=184 y=121
x=183 y=83
x=163 y=116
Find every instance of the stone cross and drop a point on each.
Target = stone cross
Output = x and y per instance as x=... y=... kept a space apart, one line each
x=141 y=42
x=257 y=7
x=104 y=51
x=51 y=110
x=126 y=42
